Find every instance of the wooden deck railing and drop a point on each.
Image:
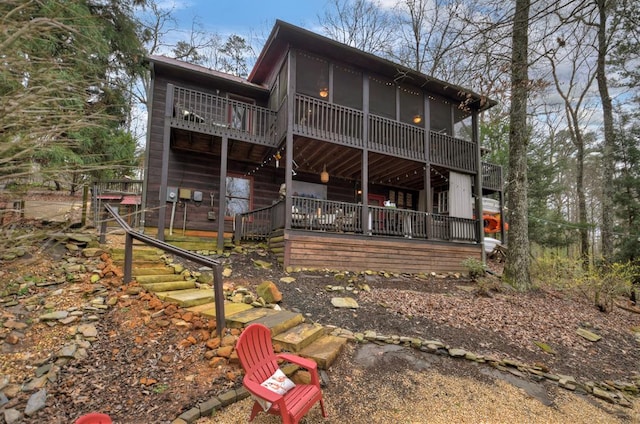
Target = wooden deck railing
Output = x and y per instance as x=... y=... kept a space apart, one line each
x=341 y=217
x=259 y=223
x=198 y=111
x=492 y=176
x=325 y=215
x=319 y=119
x=393 y=137
x=452 y=152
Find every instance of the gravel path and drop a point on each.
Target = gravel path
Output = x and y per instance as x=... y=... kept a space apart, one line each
x=405 y=386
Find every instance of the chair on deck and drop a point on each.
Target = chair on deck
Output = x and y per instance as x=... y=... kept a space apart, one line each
x=260 y=363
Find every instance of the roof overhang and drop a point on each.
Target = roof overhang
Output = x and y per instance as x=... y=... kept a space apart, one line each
x=285 y=36
x=192 y=71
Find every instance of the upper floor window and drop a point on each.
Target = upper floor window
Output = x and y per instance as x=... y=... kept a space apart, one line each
x=312 y=76
x=347 y=87
x=382 y=98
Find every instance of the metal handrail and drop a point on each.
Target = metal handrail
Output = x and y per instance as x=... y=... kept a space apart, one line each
x=216 y=266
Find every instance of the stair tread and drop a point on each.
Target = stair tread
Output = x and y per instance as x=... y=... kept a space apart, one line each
x=137 y=272
x=300 y=336
x=280 y=321
x=230 y=309
x=243 y=318
x=165 y=286
x=324 y=351
x=158 y=278
x=188 y=297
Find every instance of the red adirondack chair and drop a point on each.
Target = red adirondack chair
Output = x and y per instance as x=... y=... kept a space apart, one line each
x=259 y=361
x=94 y=418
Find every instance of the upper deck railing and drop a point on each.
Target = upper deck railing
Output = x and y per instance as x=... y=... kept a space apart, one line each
x=213 y=114
x=322 y=120
x=492 y=176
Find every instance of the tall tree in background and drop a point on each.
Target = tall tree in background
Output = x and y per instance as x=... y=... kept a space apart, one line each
x=573 y=88
x=234 y=54
x=516 y=269
x=606 y=12
x=626 y=196
x=63 y=79
x=431 y=32
x=362 y=24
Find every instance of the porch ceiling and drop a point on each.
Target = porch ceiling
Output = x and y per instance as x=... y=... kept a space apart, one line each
x=345 y=162
x=210 y=144
x=311 y=155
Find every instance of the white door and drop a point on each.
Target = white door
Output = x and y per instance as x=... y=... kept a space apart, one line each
x=460 y=195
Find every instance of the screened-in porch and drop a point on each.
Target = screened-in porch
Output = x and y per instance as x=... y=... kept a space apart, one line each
x=317 y=215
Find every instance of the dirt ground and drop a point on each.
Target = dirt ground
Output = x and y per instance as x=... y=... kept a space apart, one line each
x=141 y=370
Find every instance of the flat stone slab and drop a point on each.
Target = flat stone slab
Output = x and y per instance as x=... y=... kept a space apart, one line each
x=243 y=318
x=324 y=351
x=192 y=297
x=158 y=278
x=280 y=321
x=299 y=337
x=153 y=271
x=230 y=309
x=593 y=337
x=169 y=286
x=344 y=302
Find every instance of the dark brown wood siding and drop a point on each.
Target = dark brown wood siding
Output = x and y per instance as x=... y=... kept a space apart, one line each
x=191 y=170
x=361 y=253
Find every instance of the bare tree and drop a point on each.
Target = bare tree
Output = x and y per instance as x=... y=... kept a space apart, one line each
x=431 y=33
x=568 y=51
x=607 y=24
x=363 y=24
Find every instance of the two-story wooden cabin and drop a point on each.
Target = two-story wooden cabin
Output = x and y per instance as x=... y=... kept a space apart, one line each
x=339 y=158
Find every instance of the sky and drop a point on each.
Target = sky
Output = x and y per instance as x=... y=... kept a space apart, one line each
x=242 y=17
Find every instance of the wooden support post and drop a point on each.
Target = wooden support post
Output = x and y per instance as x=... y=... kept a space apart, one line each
x=128 y=259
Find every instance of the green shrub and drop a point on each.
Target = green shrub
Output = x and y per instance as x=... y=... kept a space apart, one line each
x=602 y=285
x=556 y=271
x=475 y=268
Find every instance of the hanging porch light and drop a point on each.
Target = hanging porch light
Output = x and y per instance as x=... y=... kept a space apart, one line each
x=324 y=175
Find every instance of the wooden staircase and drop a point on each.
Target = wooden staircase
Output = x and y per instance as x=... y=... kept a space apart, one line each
x=288 y=329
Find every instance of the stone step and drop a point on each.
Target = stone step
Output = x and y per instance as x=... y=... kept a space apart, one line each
x=142 y=264
x=299 y=337
x=152 y=270
x=149 y=279
x=187 y=298
x=230 y=309
x=139 y=256
x=280 y=321
x=165 y=286
x=241 y=320
x=324 y=351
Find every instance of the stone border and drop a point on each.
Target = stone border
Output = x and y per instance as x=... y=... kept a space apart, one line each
x=612 y=392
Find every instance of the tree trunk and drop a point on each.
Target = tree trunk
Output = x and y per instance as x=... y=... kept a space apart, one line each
x=582 y=202
x=608 y=162
x=517 y=265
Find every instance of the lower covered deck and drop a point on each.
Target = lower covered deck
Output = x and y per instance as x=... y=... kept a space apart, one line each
x=323 y=234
